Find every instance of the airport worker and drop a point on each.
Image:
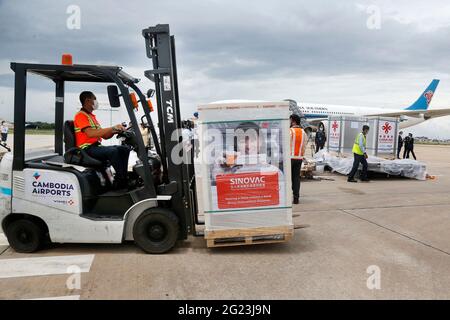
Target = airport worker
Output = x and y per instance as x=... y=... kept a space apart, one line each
x=360 y=155
x=187 y=135
x=321 y=138
x=298 y=146
x=411 y=147
x=89 y=134
x=194 y=129
x=406 y=143
x=4 y=132
x=400 y=144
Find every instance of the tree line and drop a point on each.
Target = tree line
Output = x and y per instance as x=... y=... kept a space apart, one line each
x=40 y=125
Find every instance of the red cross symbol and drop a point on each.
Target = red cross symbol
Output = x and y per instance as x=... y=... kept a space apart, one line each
x=335 y=126
x=387 y=127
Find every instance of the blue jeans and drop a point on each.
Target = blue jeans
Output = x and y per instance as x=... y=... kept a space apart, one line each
x=116 y=155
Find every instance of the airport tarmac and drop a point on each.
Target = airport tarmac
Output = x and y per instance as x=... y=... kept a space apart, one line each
x=397 y=228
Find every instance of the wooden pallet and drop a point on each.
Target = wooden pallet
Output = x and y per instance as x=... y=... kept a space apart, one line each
x=239 y=237
x=307 y=170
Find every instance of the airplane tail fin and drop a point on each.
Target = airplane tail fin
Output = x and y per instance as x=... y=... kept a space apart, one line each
x=424 y=99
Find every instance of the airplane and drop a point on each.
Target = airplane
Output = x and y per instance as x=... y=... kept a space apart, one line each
x=416 y=113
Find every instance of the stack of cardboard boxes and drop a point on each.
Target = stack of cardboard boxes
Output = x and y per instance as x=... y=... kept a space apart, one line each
x=245 y=170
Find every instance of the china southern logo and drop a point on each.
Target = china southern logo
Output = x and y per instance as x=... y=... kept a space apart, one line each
x=36 y=175
x=428 y=95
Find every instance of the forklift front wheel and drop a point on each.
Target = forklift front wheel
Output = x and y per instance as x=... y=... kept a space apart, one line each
x=156 y=230
x=24 y=236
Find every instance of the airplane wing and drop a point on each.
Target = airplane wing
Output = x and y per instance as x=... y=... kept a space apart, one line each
x=435 y=113
x=428 y=114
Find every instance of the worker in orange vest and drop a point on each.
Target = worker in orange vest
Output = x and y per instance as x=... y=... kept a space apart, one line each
x=89 y=134
x=298 y=146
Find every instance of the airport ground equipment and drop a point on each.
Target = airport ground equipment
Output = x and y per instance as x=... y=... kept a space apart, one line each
x=64 y=196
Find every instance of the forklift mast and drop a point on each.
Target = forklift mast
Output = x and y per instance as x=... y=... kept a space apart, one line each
x=179 y=179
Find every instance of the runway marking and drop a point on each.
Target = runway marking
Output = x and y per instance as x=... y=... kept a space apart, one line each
x=75 y=297
x=28 y=267
x=3 y=240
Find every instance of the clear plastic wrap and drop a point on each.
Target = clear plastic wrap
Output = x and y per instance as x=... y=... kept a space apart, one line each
x=400 y=167
x=245 y=165
x=405 y=167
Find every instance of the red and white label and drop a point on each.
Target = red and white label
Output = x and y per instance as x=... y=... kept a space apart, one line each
x=245 y=190
x=386 y=136
x=334 y=136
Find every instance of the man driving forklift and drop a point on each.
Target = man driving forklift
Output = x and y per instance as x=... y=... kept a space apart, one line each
x=89 y=134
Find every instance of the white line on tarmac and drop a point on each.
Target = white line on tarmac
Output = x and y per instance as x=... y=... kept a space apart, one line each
x=3 y=241
x=58 y=298
x=28 y=267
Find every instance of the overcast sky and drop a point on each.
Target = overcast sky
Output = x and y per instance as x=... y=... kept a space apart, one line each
x=334 y=52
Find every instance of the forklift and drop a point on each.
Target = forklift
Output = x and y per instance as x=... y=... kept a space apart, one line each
x=64 y=196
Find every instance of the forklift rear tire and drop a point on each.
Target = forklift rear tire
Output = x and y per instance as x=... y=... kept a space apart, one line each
x=156 y=230
x=24 y=236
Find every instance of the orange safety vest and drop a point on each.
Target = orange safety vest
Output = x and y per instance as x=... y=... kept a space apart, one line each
x=85 y=120
x=297 y=143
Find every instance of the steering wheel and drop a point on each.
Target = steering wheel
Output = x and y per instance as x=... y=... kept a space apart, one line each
x=129 y=138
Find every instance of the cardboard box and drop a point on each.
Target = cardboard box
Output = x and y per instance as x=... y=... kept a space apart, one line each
x=245 y=165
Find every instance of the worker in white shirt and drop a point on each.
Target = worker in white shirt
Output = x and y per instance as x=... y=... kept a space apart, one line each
x=4 y=132
x=187 y=135
x=194 y=129
x=298 y=146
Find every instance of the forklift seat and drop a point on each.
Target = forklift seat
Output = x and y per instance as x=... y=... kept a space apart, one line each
x=75 y=155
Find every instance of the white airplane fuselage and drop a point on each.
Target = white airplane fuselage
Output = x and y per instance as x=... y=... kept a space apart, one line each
x=314 y=111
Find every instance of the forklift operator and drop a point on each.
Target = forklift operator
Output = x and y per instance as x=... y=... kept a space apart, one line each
x=89 y=134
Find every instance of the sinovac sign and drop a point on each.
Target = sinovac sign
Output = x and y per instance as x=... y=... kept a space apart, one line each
x=52 y=188
x=249 y=189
